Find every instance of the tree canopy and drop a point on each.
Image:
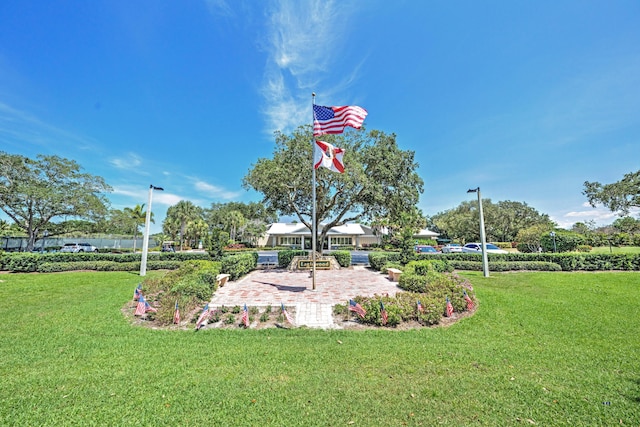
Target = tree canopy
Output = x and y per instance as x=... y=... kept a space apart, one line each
x=33 y=192
x=380 y=179
x=503 y=220
x=619 y=196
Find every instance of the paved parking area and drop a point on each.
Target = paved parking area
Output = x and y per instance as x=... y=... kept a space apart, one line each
x=294 y=288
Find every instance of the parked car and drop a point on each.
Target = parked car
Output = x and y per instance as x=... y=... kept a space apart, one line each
x=78 y=247
x=426 y=249
x=477 y=248
x=451 y=248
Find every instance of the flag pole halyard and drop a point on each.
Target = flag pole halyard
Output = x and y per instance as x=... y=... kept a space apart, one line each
x=313 y=196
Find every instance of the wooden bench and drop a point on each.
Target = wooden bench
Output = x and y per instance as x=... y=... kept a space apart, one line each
x=221 y=279
x=394 y=274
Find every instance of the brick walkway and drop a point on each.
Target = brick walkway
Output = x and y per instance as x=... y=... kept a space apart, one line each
x=294 y=288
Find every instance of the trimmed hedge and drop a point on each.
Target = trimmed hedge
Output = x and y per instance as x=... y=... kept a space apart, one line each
x=506 y=266
x=343 y=257
x=237 y=265
x=54 y=267
x=285 y=257
x=378 y=260
x=29 y=262
x=566 y=261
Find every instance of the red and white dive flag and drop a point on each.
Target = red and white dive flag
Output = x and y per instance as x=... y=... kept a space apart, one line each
x=334 y=119
x=328 y=156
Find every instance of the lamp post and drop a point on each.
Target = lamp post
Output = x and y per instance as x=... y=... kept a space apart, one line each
x=483 y=240
x=553 y=236
x=145 y=242
x=45 y=233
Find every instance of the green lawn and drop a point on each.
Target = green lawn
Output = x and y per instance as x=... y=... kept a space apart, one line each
x=616 y=250
x=543 y=348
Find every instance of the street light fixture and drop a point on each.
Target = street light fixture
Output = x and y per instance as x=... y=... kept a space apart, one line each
x=483 y=240
x=553 y=236
x=145 y=242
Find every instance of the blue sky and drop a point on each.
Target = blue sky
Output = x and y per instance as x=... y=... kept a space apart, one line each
x=526 y=100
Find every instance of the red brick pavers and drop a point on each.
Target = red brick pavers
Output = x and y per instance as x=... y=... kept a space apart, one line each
x=272 y=287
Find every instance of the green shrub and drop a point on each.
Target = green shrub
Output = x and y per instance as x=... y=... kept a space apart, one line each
x=423 y=266
x=285 y=256
x=378 y=260
x=583 y=248
x=343 y=257
x=237 y=265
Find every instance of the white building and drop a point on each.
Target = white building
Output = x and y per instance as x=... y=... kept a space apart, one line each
x=299 y=236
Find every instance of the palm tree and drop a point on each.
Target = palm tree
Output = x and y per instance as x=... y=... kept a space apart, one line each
x=184 y=211
x=137 y=216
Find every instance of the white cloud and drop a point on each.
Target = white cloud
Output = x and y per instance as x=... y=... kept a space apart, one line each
x=600 y=215
x=18 y=128
x=130 y=161
x=299 y=35
x=215 y=191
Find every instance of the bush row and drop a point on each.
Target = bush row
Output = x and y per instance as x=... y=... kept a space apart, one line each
x=54 y=267
x=29 y=262
x=237 y=265
x=566 y=261
x=506 y=266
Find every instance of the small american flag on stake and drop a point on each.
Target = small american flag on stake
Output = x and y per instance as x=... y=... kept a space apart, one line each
x=137 y=292
x=141 y=307
x=245 y=316
x=469 y=301
x=176 y=314
x=286 y=314
x=449 y=308
x=420 y=307
x=203 y=317
x=147 y=307
x=383 y=313
x=357 y=308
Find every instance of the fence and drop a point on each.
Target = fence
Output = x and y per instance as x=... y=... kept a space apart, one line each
x=19 y=244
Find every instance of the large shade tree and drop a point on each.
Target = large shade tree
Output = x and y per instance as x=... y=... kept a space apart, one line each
x=33 y=192
x=503 y=220
x=380 y=179
x=619 y=196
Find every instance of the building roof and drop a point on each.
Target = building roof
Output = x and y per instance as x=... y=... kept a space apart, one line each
x=298 y=228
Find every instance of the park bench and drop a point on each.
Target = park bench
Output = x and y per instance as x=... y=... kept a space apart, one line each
x=221 y=279
x=394 y=274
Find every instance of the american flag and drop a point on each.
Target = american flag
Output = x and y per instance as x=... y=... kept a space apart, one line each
x=328 y=156
x=137 y=292
x=333 y=120
x=468 y=300
x=147 y=307
x=383 y=313
x=420 y=307
x=203 y=316
x=449 y=308
x=141 y=307
x=286 y=314
x=354 y=306
x=245 y=316
x=176 y=314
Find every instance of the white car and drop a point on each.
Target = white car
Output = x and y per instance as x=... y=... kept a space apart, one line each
x=451 y=248
x=78 y=247
x=477 y=248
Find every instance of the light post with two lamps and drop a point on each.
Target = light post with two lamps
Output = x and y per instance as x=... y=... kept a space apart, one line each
x=483 y=240
x=145 y=242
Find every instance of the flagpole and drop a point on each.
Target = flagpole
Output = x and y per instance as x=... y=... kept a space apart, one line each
x=313 y=196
